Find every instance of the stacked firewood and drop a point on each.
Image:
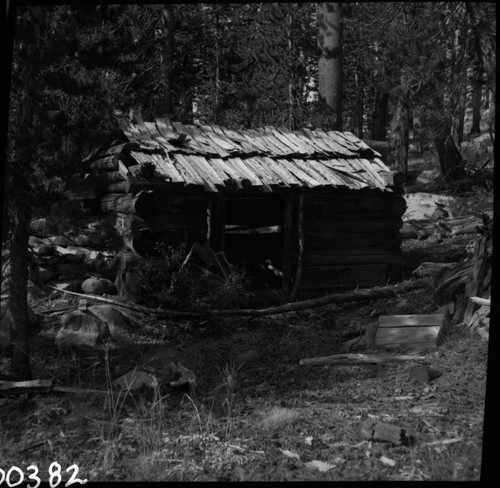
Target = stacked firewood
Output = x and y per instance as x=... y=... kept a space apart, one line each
x=441 y=226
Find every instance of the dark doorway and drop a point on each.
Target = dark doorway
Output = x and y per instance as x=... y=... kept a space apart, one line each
x=254 y=237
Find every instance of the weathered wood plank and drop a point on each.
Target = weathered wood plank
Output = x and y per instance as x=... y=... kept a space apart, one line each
x=289 y=142
x=200 y=141
x=215 y=176
x=300 y=140
x=246 y=146
x=358 y=142
x=200 y=170
x=341 y=276
x=359 y=251
x=133 y=135
x=340 y=138
x=213 y=147
x=157 y=136
x=288 y=222
x=332 y=206
x=166 y=128
x=190 y=176
x=315 y=170
x=263 y=173
x=252 y=177
x=330 y=257
x=410 y=320
x=281 y=171
x=337 y=240
x=317 y=142
x=145 y=135
x=255 y=139
x=406 y=335
x=267 y=142
x=271 y=138
x=169 y=169
x=334 y=146
x=375 y=177
x=216 y=221
x=299 y=173
x=226 y=179
x=328 y=172
x=381 y=165
x=354 y=224
x=221 y=140
x=240 y=180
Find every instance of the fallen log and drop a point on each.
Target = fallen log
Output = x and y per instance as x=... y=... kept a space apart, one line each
x=349 y=359
x=20 y=387
x=131 y=185
x=41 y=386
x=423 y=374
x=485 y=302
x=429 y=269
x=357 y=296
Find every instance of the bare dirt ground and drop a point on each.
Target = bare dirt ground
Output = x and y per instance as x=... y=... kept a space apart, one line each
x=255 y=414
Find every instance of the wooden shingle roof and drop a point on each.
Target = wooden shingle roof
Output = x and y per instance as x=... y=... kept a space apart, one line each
x=217 y=158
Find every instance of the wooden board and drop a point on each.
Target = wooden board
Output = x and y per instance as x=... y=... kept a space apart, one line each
x=422 y=329
x=343 y=276
x=410 y=320
x=353 y=224
x=407 y=335
x=327 y=239
x=329 y=258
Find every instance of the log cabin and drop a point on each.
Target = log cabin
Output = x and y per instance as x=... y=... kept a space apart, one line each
x=312 y=211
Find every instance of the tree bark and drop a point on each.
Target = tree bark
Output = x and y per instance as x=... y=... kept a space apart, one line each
x=20 y=207
x=379 y=121
x=330 y=64
x=167 y=59
x=19 y=199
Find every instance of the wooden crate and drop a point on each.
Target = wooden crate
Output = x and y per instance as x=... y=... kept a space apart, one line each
x=409 y=330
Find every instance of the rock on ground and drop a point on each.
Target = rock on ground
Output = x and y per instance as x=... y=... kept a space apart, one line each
x=98 y=286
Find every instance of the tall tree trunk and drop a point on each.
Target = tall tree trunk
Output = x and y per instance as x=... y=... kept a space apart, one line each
x=449 y=129
x=330 y=64
x=400 y=135
x=167 y=57
x=400 y=126
x=359 y=107
x=19 y=201
x=379 y=121
x=17 y=279
x=476 y=82
x=292 y=71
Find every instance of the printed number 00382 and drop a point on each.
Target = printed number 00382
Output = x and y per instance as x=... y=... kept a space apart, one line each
x=55 y=477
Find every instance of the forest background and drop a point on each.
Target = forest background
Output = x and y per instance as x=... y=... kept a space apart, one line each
x=386 y=71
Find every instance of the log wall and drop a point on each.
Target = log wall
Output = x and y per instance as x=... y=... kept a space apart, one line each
x=351 y=239
x=178 y=218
